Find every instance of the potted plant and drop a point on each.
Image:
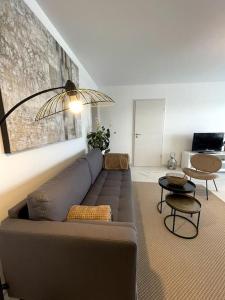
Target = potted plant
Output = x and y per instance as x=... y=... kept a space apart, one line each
x=99 y=139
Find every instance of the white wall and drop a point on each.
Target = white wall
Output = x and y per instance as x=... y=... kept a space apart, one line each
x=189 y=108
x=21 y=173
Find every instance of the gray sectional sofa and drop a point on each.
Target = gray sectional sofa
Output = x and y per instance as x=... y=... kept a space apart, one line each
x=46 y=258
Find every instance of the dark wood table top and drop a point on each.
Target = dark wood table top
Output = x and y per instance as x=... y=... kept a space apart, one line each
x=189 y=187
x=183 y=203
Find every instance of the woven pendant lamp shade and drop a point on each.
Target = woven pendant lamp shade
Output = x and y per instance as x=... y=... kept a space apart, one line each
x=61 y=102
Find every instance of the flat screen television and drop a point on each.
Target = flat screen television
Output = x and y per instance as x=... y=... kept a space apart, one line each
x=208 y=141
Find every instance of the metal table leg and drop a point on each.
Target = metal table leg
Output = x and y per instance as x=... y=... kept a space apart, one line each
x=161 y=200
x=207 y=192
x=198 y=220
x=1 y=291
x=160 y=203
x=174 y=217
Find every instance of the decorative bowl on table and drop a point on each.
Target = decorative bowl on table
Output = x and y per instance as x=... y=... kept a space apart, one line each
x=178 y=179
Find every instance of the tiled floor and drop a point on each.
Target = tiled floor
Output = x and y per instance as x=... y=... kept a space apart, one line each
x=152 y=174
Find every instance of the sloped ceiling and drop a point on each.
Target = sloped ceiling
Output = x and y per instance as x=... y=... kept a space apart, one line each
x=144 y=41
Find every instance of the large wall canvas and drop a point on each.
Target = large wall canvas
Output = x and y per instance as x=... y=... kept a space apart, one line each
x=30 y=61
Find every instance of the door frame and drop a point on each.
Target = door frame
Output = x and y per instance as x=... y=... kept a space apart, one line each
x=133 y=126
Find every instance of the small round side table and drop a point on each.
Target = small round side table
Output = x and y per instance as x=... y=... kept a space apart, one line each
x=189 y=187
x=184 y=204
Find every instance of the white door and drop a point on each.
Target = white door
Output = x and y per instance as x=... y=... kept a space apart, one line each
x=148 y=132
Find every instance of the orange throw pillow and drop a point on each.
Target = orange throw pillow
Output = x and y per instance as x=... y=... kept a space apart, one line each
x=83 y=212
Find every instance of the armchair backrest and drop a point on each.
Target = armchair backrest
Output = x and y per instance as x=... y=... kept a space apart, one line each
x=206 y=162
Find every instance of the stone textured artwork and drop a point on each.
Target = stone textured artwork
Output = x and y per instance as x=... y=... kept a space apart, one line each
x=30 y=61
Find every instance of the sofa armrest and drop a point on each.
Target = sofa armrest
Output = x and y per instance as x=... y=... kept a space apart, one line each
x=60 y=260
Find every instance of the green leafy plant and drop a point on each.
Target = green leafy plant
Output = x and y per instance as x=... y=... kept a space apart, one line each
x=99 y=139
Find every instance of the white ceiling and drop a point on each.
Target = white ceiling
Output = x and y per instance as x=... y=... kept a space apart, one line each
x=144 y=41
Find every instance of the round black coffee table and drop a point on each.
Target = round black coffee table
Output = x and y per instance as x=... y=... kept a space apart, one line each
x=186 y=205
x=188 y=188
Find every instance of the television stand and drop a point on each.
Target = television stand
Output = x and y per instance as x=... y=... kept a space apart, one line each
x=206 y=151
x=186 y=158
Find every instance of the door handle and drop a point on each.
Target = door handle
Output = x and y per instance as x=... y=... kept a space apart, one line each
x=137 y=134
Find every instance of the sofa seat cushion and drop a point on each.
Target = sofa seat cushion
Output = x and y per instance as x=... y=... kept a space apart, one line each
x=113 y=188
x=95 y=163
x=53 y=199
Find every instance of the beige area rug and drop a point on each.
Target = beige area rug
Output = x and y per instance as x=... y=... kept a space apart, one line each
x=173 y=268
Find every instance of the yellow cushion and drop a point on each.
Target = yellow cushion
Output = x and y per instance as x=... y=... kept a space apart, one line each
x=116 y=161
x=82 y=212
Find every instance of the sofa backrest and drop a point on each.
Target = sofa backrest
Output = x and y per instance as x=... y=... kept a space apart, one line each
x=95 y=162
x=53 y=199
x=19 y=211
